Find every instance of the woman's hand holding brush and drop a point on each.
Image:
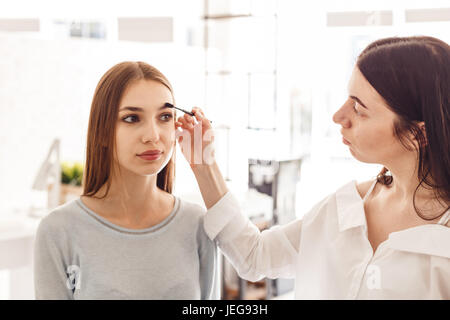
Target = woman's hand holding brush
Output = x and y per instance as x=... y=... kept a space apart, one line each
x=195 y=137
x=196 y=142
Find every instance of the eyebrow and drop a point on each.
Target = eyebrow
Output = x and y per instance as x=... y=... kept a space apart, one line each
x=139 y=109
x=359 y=101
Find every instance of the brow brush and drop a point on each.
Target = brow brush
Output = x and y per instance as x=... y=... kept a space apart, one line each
x=188 y=112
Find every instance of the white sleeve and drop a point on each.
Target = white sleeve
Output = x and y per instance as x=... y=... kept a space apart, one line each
x=254 y=254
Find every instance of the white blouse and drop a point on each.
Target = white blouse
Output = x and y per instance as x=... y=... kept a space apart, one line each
x=329 y=254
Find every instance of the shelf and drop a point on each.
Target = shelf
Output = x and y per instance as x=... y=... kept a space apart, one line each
x=261 y=129
x=226 y=16
x=246 y=73
x=233 y=16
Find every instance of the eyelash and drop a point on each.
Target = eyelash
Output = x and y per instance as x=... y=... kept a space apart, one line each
x=170 y=116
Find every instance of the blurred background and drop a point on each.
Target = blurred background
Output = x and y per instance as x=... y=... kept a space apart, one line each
x=269 y=73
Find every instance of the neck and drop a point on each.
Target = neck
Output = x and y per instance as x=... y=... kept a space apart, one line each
x=132 y=196
x=404 y=171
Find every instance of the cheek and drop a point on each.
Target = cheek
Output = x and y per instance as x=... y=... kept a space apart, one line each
x=377 y=140
x=168 y=134
x=121 y=141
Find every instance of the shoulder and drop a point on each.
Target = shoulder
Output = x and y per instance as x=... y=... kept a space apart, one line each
x=193 y=215
x=321 y=209
x=363 y=187
x=340 y=200
x=191 y=209
x=58 y=219
x=190 y=213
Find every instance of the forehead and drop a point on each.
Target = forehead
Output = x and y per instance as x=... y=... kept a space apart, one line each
x=146 y=94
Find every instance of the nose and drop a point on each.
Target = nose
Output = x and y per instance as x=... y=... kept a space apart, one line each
x=342 y=116
x=151 y=132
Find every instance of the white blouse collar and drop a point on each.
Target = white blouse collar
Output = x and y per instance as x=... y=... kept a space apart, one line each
x=430 y=239
x=350 y=207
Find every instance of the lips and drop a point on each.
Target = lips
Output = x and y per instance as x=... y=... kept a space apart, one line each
x=345 y=141
x=150 y=153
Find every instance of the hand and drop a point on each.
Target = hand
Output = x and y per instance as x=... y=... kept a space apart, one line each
x=196 y=138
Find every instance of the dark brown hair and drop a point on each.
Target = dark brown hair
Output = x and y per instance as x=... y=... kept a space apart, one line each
x=412 y=74
x=102 y=126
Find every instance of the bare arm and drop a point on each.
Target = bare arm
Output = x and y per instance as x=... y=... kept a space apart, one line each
x=196 y=143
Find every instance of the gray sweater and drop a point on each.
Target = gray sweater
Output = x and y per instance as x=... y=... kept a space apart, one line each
x=81 y=255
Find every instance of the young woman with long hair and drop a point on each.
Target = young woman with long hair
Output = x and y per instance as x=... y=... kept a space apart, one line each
x=127 y=236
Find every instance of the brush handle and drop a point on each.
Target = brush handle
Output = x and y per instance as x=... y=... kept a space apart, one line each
x=188 y=112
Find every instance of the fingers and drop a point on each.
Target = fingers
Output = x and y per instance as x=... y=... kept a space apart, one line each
x=198 y=112
x=188 y=122
x=201 y=117
x=178 y=124
x=184 y=123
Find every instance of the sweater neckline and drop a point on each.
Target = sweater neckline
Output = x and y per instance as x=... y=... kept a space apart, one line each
x=121 y=229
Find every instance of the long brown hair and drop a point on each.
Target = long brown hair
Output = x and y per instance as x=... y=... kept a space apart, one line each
x=412 y=74
x=102 y=126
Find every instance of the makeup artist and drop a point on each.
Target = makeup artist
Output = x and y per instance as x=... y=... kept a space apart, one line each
x=387 y=238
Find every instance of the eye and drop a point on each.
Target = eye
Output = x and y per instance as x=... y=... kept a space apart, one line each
x=166 y=117
x=355 y=109
x=130 y=116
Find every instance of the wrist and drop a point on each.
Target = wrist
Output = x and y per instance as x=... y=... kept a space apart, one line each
x=203 y=167
x=211 y=183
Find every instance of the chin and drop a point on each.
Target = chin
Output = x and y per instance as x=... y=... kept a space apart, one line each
x=148 y=169
x=155 y=168
x=152 y=169
x=359 y=157
x=143 y=171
